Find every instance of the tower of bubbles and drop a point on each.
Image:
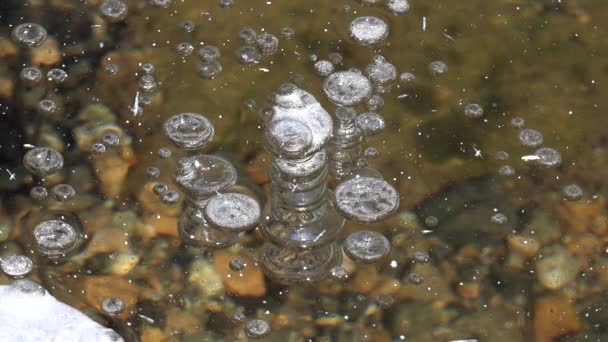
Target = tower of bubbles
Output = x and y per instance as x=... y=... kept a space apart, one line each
x=300 y=221
x=217 y=214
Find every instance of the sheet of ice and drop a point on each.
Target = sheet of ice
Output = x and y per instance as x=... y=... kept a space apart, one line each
x=28 y=313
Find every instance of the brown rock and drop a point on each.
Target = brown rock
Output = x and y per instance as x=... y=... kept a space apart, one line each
x=524 y=246
x=246 y=283
x=554 y=316
x=183 y=322
x=46 y=54
x=580 y=216
x=7 y=48
x=163 y=224
x=365 y=279
x=111 y=171
x=108 y=240
x=468 y=290
x=97 y=288
x=152 y=334
x=7 y=87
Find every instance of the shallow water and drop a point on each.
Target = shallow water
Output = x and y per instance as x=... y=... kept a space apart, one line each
x=536 y=273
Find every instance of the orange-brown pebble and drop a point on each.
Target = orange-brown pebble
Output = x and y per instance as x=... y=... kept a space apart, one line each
x=248 y=282
x=181 y=321
x=524 y=246
x=554 y=316
x=46 y=54
x=580 y=216
x=98 y=288
x=468 y=290
x=163 y=224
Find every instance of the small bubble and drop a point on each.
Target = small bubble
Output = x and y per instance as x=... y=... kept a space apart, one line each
x=415 y=278
x=236 y=264
x=518 y=122
x=323 y=68
x=438 y=68
x=506 y=170
x=287 y=32
x=368 y=30
x=160 y=188
x=572 y=192
x=31 y=75
x=421 y=257
x=189 y=130
x=54 y=238
x=247 y=35
x=335 y=58
x=431 y=221
x=529 y=137
x=111 y=69
x=407 y=77
x=170 y=197
x=112 y=305
x=375 y=103
x=313 y=57
x=98 y=148
x=43 y=161
x=209 y=53
x=148 y=68
x=63 y=192
x=257 y=328
x=248 y=55
x=226 y=3
x=16 y=266
x=267 y=43
x=296 y=79
x=338 y=273
x=501 y=155
x=164 y=153
x=147 y=83
x=188 y=26
x=288 y=138
x=548 y=157
x=111 y=140
x=47 y=106
x=160 y=3
x=29 y=34
x=380 y=71
x=232 y=212
x=499 y=218
x=347 y=88
x=38 y=193
x=238 y=317
x=398 y=6
x=184 y=49
x=204 y=175
x=366 y=246
x=366 y=199
x=473 y=111
x=249 y=104
x=153 y=172
x=385 y=301
x=56 y=75
x=114 y=10
x=371 y=152
x=210 y=70
x=370 y=123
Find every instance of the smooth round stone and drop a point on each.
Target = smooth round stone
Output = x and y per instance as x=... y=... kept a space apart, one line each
x=16 y=266
x=63 y=192
x=112 y=305
x=43 y=161
x=114 y=10
x=473 y=111
x=366 y=246
x=257 y=328
x=29 y=34
x=347 y=88
x=203 y=174
x=189 y=130
x=370 y=123
x=368 y=30
x=55 y=238
x=366 y=199
x=572 y=192
x=548 y=157
x=288 y=138
x=232 y=212
x=530 y=137
x=301 y=168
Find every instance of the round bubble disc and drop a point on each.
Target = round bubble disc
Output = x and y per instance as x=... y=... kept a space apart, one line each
x=202 y=175
x=366 y=246
x=366 y=199
x=347 y=88
x=189 y=131
x=370 y=123
x=43 y=161
x=232 y=212
x=55 y=238
x=288 y=138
